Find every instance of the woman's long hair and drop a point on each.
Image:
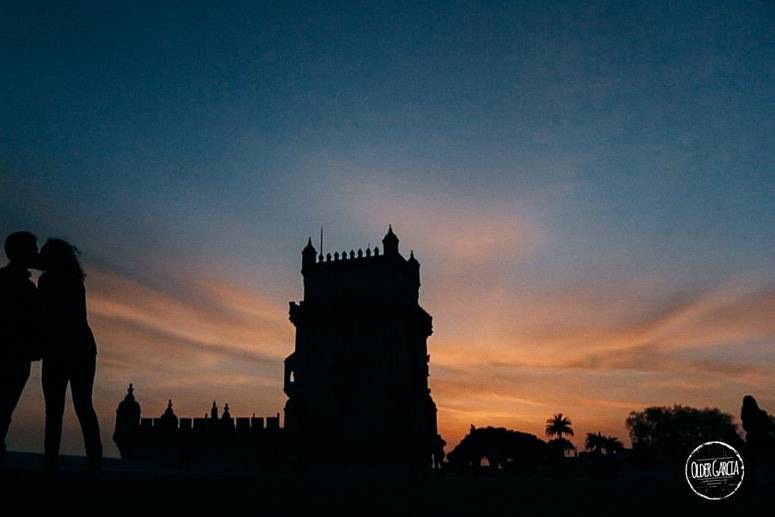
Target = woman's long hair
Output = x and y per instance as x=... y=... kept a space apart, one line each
x=59 y=256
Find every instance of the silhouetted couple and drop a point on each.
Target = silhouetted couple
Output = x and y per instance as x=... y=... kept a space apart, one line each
x=47 y=322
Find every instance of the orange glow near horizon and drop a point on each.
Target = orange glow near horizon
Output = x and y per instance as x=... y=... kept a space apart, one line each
x=567 y=354
x=588 y=189
x=505 y=351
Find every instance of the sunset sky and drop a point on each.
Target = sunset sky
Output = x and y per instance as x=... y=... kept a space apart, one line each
x=590 y=191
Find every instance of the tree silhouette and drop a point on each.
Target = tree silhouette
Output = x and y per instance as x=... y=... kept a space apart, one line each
x=595 y=443
x=599 y=443
x=668 y=434
x=559 y=446
x=558 y=426
x=613 y=445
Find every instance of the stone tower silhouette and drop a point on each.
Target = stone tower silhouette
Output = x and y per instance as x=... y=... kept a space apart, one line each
x=357 y=382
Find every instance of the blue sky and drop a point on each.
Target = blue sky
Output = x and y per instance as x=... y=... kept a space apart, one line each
x=583 y=171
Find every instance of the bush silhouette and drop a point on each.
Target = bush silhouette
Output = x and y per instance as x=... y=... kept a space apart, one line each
x=501 y=447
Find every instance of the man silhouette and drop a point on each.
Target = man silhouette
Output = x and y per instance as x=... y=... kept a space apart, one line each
x=19 y=344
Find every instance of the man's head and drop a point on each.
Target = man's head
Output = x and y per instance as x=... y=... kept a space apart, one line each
x=22 y=248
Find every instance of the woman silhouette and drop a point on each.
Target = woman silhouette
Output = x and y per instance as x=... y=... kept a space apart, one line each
x=70 y=350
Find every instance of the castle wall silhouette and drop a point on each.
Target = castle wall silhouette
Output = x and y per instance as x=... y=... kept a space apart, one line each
x=357 y=381
x=212 y=439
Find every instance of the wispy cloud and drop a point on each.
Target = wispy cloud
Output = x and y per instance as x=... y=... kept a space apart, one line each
x=570 y=351
x=501 y=354
x=209 y=315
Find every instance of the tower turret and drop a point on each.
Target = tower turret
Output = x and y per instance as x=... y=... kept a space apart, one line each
x=308 y=255
x=168 y=419
x=390 y=242
x=129 y=405
x=127 y=424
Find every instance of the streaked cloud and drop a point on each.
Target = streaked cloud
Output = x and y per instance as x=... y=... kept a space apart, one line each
x=570 y=352
x=505 y=350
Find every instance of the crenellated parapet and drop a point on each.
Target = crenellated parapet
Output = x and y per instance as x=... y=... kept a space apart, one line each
x=311 y=257
x=344 y=256
x=218 y=438
x=369 y=275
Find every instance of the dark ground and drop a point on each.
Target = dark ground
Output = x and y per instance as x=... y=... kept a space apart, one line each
x=121 y=490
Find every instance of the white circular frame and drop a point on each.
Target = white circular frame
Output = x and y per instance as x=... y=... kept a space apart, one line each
x=742 y=470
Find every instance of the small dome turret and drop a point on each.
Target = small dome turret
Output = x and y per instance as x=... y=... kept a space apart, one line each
x=129 y=405
x=308 y=254
x=390 y=242
x=168 y=418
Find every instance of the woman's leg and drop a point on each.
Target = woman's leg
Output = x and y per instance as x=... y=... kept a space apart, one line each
x=54 y=388
x=81 y=384
x=13 y=377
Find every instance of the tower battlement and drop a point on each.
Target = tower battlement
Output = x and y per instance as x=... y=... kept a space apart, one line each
x=361 y=277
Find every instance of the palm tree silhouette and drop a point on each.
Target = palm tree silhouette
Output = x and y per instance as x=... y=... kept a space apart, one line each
x=595 y=442
x=613 y=445
x=558 y=425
